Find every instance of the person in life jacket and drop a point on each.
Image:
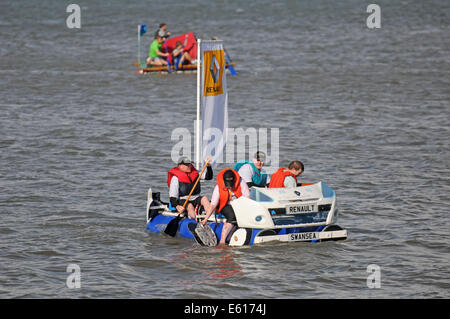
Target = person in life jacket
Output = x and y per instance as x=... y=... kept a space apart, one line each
x=252 y=172
x=229 y=186
x=287 y=177
x=181 y=180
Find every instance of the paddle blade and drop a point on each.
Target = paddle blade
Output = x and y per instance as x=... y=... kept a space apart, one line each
x=204 y=235
x=230 y=67
x=172 y=226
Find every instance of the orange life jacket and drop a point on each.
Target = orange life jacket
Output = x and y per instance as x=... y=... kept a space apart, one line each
x=224 y=194
x=277 y=179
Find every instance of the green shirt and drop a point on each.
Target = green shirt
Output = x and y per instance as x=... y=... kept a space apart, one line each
x=155 y=46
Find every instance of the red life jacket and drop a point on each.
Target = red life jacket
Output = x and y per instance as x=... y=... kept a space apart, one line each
x=224 y=194
x=277 y=179
x=186 y=181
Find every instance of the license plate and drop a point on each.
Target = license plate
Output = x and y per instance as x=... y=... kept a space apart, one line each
x=303 y=236
x=302 y=209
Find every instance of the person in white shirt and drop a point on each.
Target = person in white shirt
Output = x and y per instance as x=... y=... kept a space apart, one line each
x=181 y=180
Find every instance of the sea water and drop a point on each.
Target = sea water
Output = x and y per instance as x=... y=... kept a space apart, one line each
x=83 y=137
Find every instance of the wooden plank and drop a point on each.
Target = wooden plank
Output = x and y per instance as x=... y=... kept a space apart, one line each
x=185 y=67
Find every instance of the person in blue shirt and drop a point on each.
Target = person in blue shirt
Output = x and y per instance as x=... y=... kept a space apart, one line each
x=252 y=172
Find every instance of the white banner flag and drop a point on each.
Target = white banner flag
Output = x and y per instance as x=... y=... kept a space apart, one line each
x=214 y=101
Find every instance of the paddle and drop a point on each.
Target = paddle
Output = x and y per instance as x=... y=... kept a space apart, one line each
x=167 y=58
x=230 y=67
x=172 y=226
x=204 y=235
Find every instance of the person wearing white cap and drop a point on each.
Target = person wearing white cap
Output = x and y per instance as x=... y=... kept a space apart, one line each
x=181 y=180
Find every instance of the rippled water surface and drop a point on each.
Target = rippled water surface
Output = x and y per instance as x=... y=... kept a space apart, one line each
x=82 y=137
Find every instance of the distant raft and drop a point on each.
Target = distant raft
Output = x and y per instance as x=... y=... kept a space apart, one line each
x=165 y=69
x=190 y=46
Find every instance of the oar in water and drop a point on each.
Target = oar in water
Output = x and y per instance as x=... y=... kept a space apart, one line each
x=172 y=226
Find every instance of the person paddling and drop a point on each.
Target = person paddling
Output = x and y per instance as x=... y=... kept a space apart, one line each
x=229 y=187
x=179 y=56
x=287 y=177
x=181 y=180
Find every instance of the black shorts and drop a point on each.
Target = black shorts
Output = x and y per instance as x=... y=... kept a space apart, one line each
x=195 y=202
x=228 y=212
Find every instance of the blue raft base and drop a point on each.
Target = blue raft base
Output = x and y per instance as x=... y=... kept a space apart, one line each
x=158 y=224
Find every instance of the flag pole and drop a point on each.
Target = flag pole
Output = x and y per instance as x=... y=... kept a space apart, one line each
x=199 y=84
x=139 y=45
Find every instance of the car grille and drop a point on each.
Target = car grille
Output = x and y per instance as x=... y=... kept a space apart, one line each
x=280 y=218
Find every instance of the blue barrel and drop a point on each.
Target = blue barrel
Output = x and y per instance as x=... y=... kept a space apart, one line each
x=159 y=223
x=183 y=229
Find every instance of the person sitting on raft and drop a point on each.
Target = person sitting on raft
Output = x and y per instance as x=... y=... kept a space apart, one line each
x=229 y=187
x=155 y=55
x=287 y=177
x=252 y=172
x=181 y=180
x=180 y=56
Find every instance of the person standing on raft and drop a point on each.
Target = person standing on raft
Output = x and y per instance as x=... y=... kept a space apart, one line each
x=229 y=186
x=181 y=180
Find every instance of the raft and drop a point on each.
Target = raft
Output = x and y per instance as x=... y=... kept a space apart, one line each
x=165 y=69
x=302 y=214
x=168 y=46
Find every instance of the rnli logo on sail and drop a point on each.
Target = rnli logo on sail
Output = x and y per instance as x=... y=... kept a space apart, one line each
x=214 y=62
